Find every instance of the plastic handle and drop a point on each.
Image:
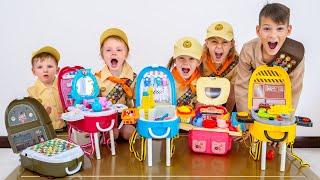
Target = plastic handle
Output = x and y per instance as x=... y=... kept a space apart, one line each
x=75 y=170
x=275 y=140
x=107 y=129
x=159 y=137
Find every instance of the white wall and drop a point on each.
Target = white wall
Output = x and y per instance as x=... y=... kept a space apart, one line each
x=74 y=28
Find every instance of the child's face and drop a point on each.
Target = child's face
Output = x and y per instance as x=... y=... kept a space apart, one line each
x=218 y=48
x=186 y=65
x=45 y=70
x=272 y=35
x=114 y=53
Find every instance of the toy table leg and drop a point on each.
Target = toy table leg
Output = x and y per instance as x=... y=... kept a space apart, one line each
x=263 y=155
x=168 y=154
x=97 y=145
x=113 y=152
x=283 y=148
x=74 y=136
x=149 y=154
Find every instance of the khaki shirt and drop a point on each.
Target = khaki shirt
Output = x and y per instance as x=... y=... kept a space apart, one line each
x=251 y=56
x=106 y=86
x=231 y=76
x=181 y=92
x=49 y=97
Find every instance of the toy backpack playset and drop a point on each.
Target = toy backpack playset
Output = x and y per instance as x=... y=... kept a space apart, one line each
x=155 y=100
x=210 y=130
x=31 y=134
x=270 y=105
x=86 y=112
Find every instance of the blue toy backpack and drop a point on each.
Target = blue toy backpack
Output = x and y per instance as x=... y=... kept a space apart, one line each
x=156 y=102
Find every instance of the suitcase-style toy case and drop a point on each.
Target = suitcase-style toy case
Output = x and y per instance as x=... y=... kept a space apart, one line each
x=31 y=134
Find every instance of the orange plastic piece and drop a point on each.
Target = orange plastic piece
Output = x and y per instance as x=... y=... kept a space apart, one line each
x=130 y=116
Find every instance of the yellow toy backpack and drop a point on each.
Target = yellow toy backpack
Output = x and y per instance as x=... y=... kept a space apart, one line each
x=270 y=105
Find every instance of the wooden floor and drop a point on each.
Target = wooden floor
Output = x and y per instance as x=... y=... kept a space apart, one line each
x=185 y=164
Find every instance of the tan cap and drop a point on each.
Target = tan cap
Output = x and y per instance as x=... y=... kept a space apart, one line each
x=47 y=49
x=113 y=32
x=188 y=46
x=220 y=29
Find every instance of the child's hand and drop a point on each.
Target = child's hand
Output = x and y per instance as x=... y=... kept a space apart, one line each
x=48 y=109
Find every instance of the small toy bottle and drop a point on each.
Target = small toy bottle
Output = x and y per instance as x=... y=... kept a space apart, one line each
x=158 y=89
x=165 y=93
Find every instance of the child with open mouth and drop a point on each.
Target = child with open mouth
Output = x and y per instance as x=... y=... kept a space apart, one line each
x=220 y=57
x=117 y=79
x=272 y=31
x=184 y=66
x=45 y=67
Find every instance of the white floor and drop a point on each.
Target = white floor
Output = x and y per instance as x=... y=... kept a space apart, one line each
x=9 y=161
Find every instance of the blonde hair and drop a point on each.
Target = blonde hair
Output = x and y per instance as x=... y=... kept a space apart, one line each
x=42 y=57
x=114 y=37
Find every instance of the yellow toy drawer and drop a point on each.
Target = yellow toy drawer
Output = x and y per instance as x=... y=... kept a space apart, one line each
x=273 y=133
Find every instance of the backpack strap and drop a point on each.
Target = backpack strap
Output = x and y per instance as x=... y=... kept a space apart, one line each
x=255 y=148
x=132 y=141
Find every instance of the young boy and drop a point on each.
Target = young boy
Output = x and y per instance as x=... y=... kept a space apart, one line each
x=272 y=31
x=116 y=79
x=45 y=67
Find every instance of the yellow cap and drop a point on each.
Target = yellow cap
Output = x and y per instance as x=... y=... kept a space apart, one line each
x=188 y=46
x=113 y=32
x=220 y=29
x=47 y=49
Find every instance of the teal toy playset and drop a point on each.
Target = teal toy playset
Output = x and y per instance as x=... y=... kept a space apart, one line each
x=156 y=103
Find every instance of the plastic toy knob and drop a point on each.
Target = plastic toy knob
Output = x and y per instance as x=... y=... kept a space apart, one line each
x=270 y=154
x=306 y=119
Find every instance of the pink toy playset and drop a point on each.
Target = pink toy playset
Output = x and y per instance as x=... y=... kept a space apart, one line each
x=85 y=111
x=211 y=130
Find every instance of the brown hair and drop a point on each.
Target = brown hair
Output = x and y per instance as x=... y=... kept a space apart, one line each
x=114 y=37
x=41 y=57
x=170 y=63
x=279 y=13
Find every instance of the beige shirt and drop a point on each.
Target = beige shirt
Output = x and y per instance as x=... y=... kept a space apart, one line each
x=231 y=76
x=107 y=86
x=49 y=97
x=251 y=56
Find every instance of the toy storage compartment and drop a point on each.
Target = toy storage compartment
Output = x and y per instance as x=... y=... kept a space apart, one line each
x=158 y=129
x=95 y=122
x=152 y=127
x=209 y=142
x=55 y=157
